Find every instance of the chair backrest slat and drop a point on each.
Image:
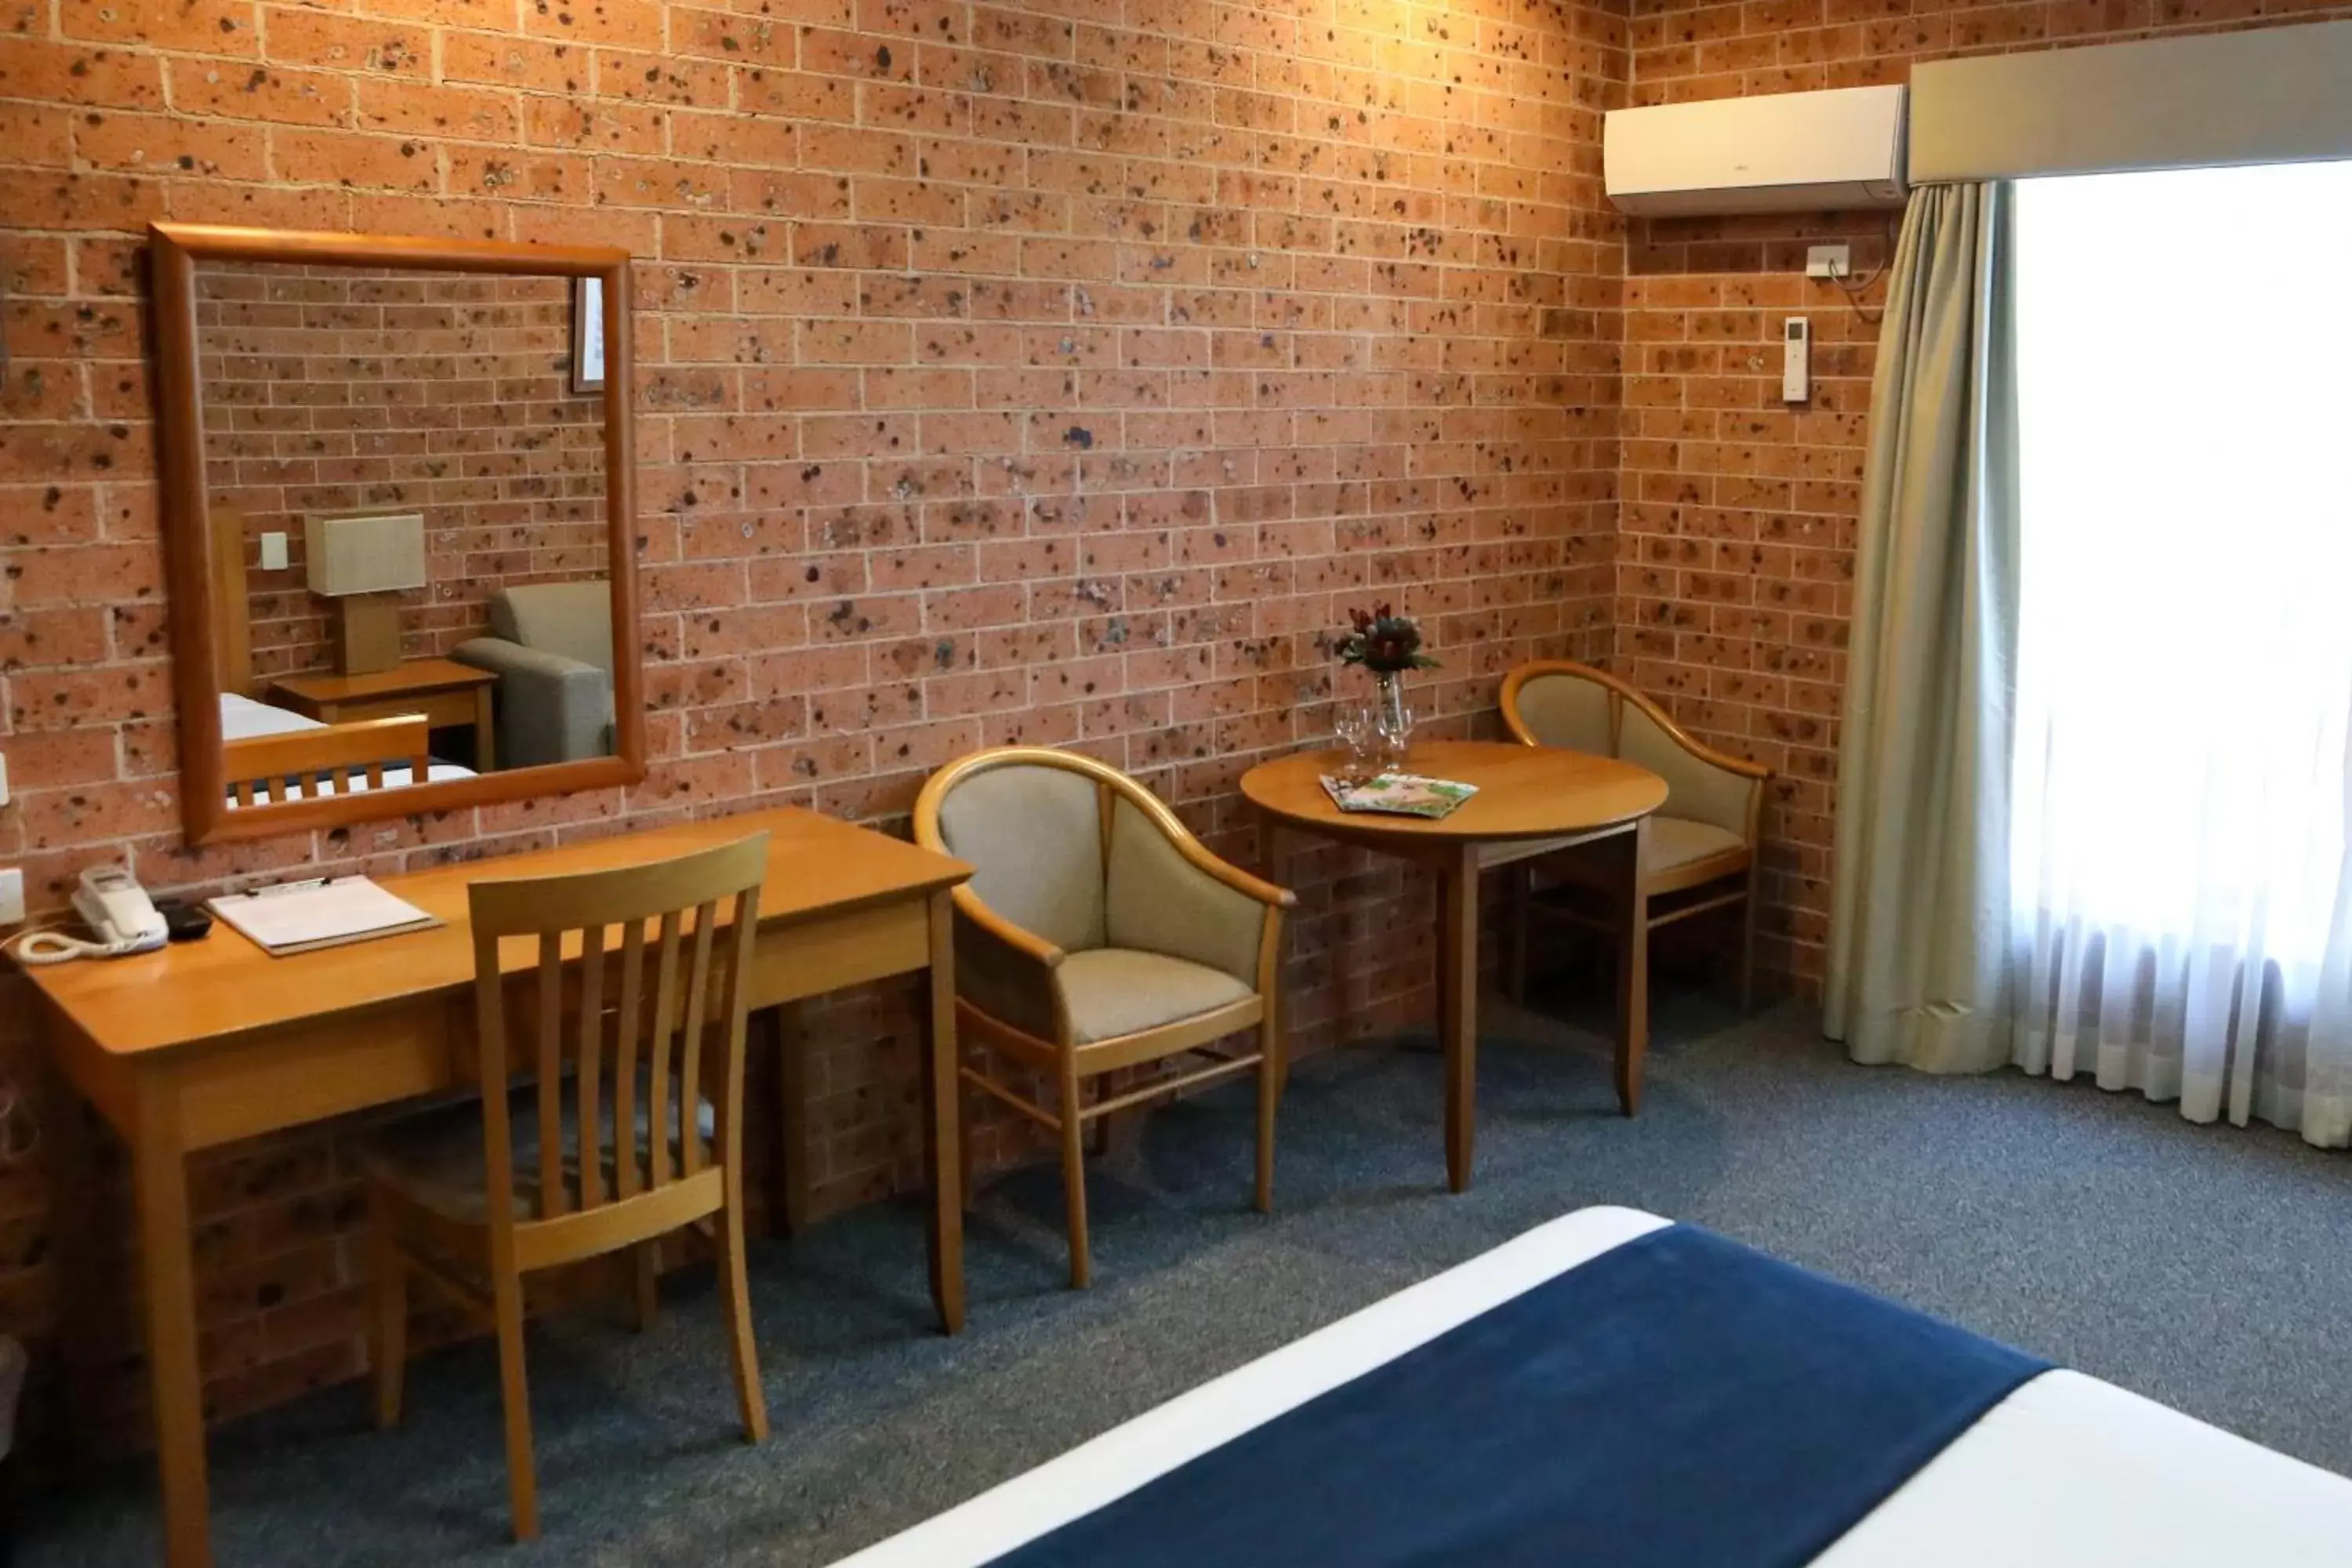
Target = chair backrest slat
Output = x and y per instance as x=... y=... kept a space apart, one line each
x=590 y=1053
x=695 y=1006
x=625 y=1180
x=551 y=1072
x=665 y=1027
x=698 y=998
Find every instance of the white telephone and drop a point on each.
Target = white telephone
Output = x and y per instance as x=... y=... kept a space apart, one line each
x=118 y=912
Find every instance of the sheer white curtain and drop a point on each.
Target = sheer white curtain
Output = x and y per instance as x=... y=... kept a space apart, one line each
x=2181 y=897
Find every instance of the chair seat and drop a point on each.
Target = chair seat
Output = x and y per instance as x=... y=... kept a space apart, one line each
x=1676 y=842
x=1114 y=991
x=436 y=1156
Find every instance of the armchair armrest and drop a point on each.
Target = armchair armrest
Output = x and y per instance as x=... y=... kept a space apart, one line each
x=1166 y=894
x=550 y=709
x=1004 y=971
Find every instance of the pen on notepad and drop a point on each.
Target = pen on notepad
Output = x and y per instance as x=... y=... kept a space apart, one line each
x=301 y=887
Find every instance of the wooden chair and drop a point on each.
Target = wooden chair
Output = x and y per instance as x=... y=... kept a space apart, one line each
x=639 y=1068
x=334 y=759
x=1098 y=934
x=1701 y=849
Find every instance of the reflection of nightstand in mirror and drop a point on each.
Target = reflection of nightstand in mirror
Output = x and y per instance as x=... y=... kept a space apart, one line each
x=450 y=695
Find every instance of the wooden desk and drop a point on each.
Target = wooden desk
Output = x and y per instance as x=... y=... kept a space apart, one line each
x=202 y=1043
x=450 y=695
x=1531 y=801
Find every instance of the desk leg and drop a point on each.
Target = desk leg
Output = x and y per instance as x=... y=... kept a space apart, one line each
x=942 y=1142
x=73 y=1169
x=1457 y=1009
x=1633 y=965
x=167 y=1275
x=787 y=1182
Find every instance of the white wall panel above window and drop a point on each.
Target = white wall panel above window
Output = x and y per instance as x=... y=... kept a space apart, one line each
x=2274 y=96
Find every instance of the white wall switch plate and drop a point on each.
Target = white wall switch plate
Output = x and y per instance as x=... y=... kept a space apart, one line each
x=12 y=898
x=273 y=552
x=1828 y=261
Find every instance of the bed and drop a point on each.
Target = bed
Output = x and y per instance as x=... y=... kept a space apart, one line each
x=2047 y=1466
x=247 y=727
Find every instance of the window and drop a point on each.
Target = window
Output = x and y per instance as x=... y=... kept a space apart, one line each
x=2185 y=655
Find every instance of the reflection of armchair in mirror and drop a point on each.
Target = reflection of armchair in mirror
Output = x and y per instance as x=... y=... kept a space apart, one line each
x=552 y=649
x=388 y=499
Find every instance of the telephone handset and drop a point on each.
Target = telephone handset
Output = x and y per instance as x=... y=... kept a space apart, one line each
x=118 y=914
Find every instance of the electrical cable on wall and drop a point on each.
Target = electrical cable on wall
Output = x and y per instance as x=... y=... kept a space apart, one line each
x=1854 y=289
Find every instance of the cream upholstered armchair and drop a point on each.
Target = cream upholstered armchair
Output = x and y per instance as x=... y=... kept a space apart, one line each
x=1701 y=853
x=1096 y=933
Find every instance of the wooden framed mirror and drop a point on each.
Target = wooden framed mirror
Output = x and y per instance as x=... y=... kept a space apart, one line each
x=399 y=522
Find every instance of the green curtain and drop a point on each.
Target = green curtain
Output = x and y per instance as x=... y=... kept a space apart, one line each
x=1917 y=962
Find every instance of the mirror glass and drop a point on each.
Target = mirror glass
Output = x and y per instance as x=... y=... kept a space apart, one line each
x=404 y=475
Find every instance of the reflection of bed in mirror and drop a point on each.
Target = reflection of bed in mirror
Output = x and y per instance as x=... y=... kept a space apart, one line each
x=270 y=754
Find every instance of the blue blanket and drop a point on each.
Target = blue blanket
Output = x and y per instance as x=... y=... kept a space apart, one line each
x=1679 y=1401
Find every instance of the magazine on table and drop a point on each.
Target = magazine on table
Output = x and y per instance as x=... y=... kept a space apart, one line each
x=1398 y=794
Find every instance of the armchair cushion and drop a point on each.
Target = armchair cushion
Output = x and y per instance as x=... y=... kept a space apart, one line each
x=574 y=619
x=1566 y=711
x=1158 y=901
x=1113 y=991
x=1696 y=790
x=437 y=1157
x=1676 y=841
x=1033 y=835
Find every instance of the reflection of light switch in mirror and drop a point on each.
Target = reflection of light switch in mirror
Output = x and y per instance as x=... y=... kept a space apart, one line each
x=273 y=552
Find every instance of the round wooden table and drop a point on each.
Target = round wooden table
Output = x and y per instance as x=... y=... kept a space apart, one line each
x=1531 y=801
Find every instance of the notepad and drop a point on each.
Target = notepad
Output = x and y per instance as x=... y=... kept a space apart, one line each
x=297 y=916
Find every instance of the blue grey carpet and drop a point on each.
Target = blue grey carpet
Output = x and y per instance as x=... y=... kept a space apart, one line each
x=2205 y=1267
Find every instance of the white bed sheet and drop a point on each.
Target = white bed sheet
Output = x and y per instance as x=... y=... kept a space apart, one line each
x=243 y=718
x=2067 y=1471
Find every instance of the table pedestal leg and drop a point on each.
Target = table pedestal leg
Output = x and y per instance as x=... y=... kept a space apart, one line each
x=1633 y=964
x=942 y=1140
x=167 y=1275
x=1457 y=1009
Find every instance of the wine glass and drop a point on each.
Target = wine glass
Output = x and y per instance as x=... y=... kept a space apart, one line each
x=1392 y=737
x=1358 y=733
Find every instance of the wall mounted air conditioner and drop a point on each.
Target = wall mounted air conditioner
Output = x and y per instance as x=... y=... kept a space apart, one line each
x=1791 y=152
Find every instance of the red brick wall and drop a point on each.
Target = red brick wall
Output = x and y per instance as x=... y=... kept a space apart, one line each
x=1054 y=371
x=1736 y=547
x=332 y=390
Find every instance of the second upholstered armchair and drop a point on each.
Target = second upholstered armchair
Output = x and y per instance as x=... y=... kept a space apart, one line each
x=1701 y=847
x=1098 y=934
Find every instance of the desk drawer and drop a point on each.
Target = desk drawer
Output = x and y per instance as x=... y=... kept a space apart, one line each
x=790 y=963
x=317 y=1070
